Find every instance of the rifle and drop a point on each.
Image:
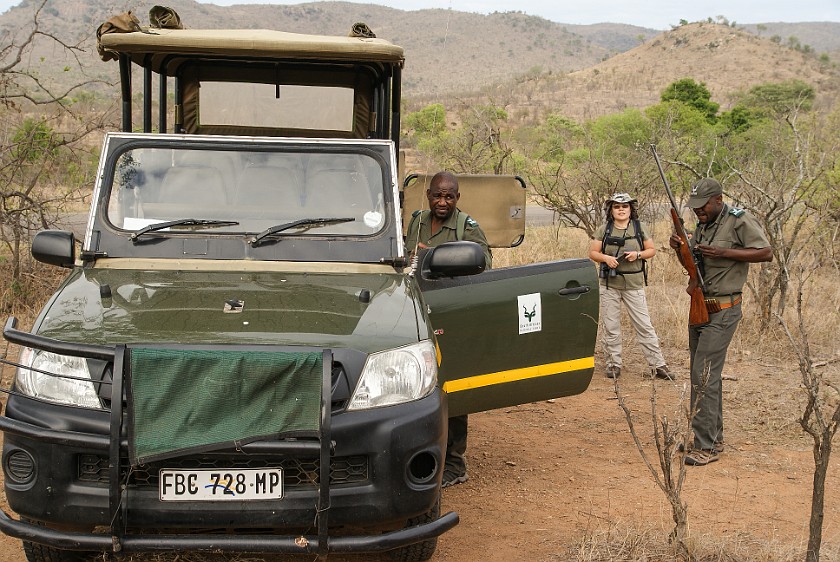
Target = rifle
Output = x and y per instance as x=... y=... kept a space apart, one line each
x=697 y=313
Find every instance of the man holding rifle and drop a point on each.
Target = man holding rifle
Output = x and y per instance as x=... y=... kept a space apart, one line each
x=726 y=241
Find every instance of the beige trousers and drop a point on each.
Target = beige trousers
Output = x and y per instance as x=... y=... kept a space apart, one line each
x=636 y=303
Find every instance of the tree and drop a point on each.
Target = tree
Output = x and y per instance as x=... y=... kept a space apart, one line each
x=43 y=162
x=694 y=94
x=767 y=101
x=670 y=437
x=556 y=136
x=821 y=417
x=687 y=140
x=604 y=156
x=429 y=121
x=479 y=144
x=780 y=98
x=737 y=120
x=782 y=168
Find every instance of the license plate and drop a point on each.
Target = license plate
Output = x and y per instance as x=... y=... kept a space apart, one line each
x=221 y=485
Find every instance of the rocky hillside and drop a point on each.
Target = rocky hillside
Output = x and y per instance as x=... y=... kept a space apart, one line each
x=726 y=59
x=822 y=37
x=446 y=50
x=525 y=62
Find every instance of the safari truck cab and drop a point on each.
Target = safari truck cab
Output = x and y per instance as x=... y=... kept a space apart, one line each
x=241 y=358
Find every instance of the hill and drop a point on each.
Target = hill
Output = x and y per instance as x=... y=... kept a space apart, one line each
x=525 y=62
x=728 y=60
x=446 y=50
x=822 y=37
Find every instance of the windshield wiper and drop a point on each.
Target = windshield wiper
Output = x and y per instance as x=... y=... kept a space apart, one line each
x=180 y=222
x=309 y=223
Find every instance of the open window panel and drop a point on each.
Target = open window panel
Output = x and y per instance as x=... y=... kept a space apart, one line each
x=497 y=203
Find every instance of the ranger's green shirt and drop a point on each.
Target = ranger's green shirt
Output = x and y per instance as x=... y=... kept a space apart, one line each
x=630 y=274
x=447 y=233
x=733 y=228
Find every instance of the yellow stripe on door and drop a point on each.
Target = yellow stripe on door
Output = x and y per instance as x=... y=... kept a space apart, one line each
x=514 y=375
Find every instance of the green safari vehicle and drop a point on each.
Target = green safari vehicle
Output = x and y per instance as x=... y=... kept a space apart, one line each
x=241 y=358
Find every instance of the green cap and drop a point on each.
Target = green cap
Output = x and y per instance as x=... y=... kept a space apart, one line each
x=702 y=191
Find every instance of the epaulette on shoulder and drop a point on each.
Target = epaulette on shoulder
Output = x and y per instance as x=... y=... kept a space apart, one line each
x=415 y=213
x=472 y=222
x=736 y=212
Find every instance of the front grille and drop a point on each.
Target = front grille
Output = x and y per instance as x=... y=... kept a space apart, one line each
x=339 y=385
x=297 y=473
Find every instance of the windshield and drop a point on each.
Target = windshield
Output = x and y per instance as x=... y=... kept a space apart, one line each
x=254 y=191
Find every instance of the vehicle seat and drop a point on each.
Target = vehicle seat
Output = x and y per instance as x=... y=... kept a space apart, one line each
x=194 y=186
x=271 y=187
x=337 y=190
x=224 y=162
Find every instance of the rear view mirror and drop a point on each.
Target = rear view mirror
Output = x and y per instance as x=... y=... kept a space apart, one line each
x=55 y=247
x=453 y=259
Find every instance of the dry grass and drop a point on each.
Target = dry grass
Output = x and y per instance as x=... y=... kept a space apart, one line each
x=24 y=299
x=623 y=543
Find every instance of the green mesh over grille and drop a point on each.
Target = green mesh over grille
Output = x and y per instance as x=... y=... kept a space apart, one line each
x=193 y=400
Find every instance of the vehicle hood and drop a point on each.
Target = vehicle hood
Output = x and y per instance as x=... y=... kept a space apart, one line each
x=110 y=306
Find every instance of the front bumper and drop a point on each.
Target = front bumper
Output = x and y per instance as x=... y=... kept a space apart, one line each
x=397 y=479
x=301 y=544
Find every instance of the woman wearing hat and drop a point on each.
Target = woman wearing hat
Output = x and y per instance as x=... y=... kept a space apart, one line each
x=620 y=248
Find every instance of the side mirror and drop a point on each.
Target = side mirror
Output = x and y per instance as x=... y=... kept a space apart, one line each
x=55 y=247
x=453 y=259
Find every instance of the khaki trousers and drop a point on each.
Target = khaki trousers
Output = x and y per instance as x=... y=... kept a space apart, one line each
x=636 y=304
x=708 y=344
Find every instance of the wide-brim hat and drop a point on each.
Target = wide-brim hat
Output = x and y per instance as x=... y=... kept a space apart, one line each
x=620 y=198
x=702 y=191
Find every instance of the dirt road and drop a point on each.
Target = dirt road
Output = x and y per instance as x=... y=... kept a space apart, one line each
x=547 y=475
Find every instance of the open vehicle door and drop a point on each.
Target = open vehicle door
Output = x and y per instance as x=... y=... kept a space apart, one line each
x=515 y=335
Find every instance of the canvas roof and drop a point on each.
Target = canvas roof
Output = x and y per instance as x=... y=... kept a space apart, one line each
x=249 y=43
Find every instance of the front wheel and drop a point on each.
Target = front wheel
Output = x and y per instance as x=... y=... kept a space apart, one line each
x=36 y=552
x=418 y=552
x=39 y=553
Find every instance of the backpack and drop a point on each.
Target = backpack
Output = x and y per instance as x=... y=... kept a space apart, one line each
x=637 y=228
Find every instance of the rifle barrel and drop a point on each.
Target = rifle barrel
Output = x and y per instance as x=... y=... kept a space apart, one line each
x=665 y=180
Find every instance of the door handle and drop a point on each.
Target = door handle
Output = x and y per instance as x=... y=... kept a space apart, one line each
x=574 y=290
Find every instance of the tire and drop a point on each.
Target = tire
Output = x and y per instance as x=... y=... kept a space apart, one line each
x=39 y=553
x=36 y=552
x=418 y=552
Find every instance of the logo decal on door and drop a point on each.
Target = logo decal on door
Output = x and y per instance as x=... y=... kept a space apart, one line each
x=530 y=313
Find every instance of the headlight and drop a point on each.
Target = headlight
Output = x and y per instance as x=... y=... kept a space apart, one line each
x=396 y=376
x=56 y=388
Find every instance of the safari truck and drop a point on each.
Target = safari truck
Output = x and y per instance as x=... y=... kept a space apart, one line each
x=241 y=357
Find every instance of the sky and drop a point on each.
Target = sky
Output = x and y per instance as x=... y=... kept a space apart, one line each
x=656 y=14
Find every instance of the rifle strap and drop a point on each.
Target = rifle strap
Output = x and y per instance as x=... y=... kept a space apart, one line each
x=637 y=226
x=461 y=225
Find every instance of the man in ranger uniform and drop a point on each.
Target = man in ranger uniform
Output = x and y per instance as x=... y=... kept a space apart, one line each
x=444 y=222
x=726 y=241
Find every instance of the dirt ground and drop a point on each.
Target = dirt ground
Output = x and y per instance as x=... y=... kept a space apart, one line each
x=544 y=477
